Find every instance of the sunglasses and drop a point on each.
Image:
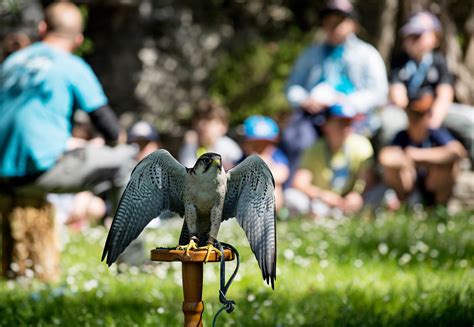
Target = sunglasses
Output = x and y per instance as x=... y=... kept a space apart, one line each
x=413 y=37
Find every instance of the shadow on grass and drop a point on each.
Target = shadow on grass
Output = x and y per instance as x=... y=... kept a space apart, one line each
x=345 y=307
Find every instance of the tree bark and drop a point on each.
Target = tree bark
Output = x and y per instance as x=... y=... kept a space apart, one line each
x=464 y=86
x=388 y=30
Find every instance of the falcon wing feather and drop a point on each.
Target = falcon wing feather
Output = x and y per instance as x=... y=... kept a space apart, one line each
x=250 y=198
x=155 y=186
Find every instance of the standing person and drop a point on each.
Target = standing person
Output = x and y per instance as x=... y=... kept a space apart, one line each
x=331 y=176
x=342 y=69
x=40 y=87
x=420 y=69
x=421 y=158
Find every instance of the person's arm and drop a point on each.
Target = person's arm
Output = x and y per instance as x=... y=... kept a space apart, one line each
x=280 y=171
x=444 y=98
x=398 y=95
x=294 y=90
x=90 y=97
x=439 y=155
x=106 y=122
x=375 y=89
x=392 y=156
x=444 y=92
x=278 y=165
x=302 y=182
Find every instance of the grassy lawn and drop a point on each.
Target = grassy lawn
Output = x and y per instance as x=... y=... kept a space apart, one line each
x=397 y=270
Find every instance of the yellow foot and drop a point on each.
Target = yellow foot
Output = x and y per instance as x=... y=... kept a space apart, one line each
x=209 y=248
x=191 y=246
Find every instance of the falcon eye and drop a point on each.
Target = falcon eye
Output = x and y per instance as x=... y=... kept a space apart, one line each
x=207 y=160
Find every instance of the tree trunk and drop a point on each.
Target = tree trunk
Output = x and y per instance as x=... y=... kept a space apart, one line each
x=464 y=86
x=388 y=30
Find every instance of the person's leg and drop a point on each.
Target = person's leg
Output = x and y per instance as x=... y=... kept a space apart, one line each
x=297 y=202
x=399 y=171
x=91 y=168
x=460 y=121
x=440 y=180
x=88 y=168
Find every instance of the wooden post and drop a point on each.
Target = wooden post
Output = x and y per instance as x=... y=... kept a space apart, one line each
x=193 y=306
x=29 y=238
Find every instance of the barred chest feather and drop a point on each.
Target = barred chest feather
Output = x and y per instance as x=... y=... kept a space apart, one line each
x=206 y=191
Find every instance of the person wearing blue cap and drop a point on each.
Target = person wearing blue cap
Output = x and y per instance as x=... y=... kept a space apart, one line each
x=331 y=176
x=422 y=69
x=261 y=134
x=343 y=68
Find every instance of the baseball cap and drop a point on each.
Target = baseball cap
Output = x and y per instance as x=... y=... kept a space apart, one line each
x=142 y=131
x=260 y=128
x=419 y=23
x=339 y=110
x=339 y=7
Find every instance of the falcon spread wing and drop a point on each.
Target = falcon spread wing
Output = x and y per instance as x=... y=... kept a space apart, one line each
x=250 y=198
x=155 y=186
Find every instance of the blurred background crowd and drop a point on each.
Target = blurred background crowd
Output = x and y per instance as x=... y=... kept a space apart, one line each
x=350 y=113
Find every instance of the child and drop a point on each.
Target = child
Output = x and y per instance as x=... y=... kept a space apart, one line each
x=332 y=171
x=419 y=69
x=145 y=137
x=421 y=157
x=210 y=127
x=261 y=135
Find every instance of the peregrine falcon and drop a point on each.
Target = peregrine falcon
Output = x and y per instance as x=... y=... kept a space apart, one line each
x=205 y=195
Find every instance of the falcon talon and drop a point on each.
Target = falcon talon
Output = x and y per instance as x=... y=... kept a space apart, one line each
x=209 y=248
x=191 y=246
x=204 y=195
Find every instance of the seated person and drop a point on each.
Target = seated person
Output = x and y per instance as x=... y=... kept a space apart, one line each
x=421 y=157
x=145 y=137
x=261 y=135
x=422 y=68
x=79 y=210
x=209 y=135
x=341 y=69
x=332 y=171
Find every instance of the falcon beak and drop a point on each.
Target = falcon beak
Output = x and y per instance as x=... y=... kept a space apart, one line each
x=217 y=162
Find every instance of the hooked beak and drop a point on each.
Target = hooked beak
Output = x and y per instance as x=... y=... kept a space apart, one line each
x=217 y=162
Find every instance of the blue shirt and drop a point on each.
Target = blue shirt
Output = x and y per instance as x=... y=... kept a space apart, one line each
x=39 y=88
x=279 y=157
x=434 y=138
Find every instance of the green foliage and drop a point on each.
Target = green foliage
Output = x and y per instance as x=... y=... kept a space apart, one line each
x=404 y=269
x=251 y=80
x=87 y=47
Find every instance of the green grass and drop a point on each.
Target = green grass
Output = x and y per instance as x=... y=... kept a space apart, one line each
x=397 y=270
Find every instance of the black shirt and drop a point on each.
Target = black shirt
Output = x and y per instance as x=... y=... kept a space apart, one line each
x=404 y=69
x=435 y=138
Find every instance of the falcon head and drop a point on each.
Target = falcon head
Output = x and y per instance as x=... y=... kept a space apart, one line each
x=208 y=163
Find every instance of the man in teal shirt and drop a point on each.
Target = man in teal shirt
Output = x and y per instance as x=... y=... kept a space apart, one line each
x=40 y=86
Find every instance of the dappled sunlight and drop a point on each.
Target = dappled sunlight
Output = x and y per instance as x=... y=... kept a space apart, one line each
x=396 y=269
